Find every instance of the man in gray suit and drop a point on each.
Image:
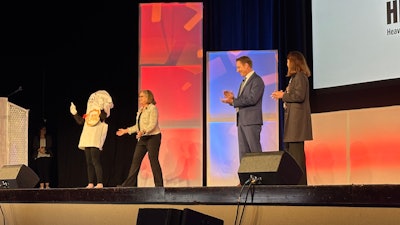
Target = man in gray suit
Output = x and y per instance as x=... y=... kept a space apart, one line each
x=248 y=104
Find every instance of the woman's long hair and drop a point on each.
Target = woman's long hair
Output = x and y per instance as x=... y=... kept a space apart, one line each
x=297 y=63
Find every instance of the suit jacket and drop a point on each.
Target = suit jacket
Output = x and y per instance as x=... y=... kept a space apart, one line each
x=249 y=102
x=297 y=124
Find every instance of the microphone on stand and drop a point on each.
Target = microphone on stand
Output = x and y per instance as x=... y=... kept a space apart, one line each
x=15 y=92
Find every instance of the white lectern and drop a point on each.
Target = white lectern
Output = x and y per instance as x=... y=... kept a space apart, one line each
x=13 y=133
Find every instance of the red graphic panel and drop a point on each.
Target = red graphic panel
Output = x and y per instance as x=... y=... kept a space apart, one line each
x=171 y=66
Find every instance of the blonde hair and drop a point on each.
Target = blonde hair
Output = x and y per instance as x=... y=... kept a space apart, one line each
x=150 y=96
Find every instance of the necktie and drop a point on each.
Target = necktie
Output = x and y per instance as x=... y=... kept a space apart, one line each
x=242 y=86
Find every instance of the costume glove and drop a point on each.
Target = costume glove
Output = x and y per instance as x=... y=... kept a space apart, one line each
x=72 y=109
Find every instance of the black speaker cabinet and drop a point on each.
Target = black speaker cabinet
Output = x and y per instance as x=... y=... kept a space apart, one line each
x=167 y=216
x=156 y=216
x=271 y=167
x=17 y=176
x=191 y=217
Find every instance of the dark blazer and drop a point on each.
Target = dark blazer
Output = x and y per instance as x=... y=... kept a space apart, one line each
x=297 y=124
x=249 y=102
x=36 y=145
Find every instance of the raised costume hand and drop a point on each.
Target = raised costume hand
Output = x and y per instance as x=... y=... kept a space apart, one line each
x=72 y=109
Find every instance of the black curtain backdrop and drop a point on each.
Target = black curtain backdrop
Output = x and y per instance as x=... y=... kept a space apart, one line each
x=63 y=51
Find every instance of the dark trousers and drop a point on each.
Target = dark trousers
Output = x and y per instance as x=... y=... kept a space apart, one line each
x=151 y=145
x=43 y=165
x=296 y=150
x=249 y=139
x=93 y=165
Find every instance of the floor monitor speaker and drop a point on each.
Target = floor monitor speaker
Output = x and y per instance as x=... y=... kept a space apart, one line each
x=17 y=176
x=191 y=217
x=158 y=216
x=273 y=168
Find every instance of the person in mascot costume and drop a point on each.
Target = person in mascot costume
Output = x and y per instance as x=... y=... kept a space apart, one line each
x=94 y=133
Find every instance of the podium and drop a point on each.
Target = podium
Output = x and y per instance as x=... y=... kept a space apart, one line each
x=13 y=133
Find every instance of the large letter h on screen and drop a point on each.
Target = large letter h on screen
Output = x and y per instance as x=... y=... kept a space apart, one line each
x=391 y=10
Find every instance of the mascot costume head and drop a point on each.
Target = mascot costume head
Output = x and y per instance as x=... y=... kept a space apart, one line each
x=95 y=128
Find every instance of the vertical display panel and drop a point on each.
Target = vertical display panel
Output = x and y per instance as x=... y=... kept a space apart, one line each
x=222 y=141
x=171 y=66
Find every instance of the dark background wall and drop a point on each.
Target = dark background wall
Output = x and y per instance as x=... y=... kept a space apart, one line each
x=62 y=51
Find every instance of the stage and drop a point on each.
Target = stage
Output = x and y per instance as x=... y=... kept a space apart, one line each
x=265 y=204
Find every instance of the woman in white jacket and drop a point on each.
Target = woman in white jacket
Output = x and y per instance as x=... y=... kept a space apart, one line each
x=148 y=134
